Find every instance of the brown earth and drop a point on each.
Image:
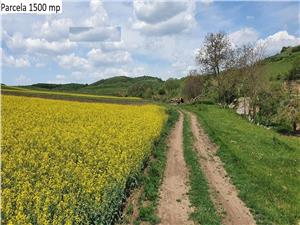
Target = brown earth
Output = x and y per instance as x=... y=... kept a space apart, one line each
x=224 y=193
x=174 y=206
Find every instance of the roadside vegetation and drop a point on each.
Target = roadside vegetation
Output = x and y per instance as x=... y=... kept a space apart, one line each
x=263 y=164
x=152 y=178
x=204 y=209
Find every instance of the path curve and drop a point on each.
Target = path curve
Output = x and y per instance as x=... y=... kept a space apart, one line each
x=174 y=206
x=225 y=194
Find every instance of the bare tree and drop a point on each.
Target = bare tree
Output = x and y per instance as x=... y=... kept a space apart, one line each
x=214 y=53
x=252 y=80
x=193 y=85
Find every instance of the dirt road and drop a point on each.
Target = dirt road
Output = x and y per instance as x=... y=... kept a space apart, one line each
x=174 y=206
x=225 y=194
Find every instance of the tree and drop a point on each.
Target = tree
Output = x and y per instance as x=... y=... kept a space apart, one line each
x=172 y=86
x=214 y=53
x=252 y=82
x=294 y=73
x=193 y=85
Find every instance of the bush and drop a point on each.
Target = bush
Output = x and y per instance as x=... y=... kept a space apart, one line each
x=296 y=49
x=294 y=73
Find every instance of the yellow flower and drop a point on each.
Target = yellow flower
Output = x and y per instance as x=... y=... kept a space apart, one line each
x=67 y=162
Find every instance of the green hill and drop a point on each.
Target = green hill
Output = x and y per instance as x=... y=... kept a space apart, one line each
x=115 y=86
x=121 y=85
x=278 y=66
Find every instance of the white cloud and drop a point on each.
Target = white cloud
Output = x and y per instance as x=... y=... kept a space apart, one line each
x=113 y=46
x=73 y=62
x=23 y=80
x=207 y=2
x=119 y=71
x=79 y=76
x=94 y=59
x=109 y=72
x=243 y=36
x=9 y=60
x=99 y=15
x=159 y=18
x=153 y=12
x=59 y=79
x=40 y=64
x=275 y=42
x=43 y=46
x=100 y=58
x=17 y=42
x=53 y=30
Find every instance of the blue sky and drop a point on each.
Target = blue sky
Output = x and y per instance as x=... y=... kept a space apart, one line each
x=135 y=38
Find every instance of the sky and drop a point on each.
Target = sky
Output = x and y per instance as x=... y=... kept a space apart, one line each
x=93 y=40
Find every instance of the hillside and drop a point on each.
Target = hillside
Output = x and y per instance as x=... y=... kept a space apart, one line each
x=277 y=66
x=121 y=85
x=114 y=86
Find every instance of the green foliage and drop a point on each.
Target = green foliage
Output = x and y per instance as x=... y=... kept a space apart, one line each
x=296 y=49
x=204 y=210
x=263 y=164
x=70 y=86
x=172 y=86
x=126 y=86
x=294 y=73
x=144 y=89
x=268 y=103
x=193 y=86
x=288 y=114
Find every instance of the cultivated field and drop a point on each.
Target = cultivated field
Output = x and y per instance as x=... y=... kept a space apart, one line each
x=69 y=96
x=69 y=162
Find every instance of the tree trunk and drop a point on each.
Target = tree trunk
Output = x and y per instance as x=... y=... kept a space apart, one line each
x=294 y=125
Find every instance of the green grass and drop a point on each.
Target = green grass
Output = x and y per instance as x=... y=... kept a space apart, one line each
x=277 y=66
x=205 y=212
x=264 y=165
x=152 y=179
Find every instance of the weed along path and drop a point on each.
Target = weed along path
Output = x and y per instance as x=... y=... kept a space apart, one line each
x=225 y=195
x=174 y=206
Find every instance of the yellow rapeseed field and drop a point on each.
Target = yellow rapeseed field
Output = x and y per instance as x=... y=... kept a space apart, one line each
x=68 y=162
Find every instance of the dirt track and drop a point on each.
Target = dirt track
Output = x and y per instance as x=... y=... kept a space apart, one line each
x=225 y=194
x=174 y=206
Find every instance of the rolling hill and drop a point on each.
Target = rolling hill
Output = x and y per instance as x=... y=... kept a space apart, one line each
x=114 y=86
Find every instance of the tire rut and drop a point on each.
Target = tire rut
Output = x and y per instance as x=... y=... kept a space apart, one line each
x=174 y=206
x=225 y=194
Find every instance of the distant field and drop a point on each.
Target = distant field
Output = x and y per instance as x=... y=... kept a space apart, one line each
x=69 y=162
x=70 y=96
x=264 y=165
